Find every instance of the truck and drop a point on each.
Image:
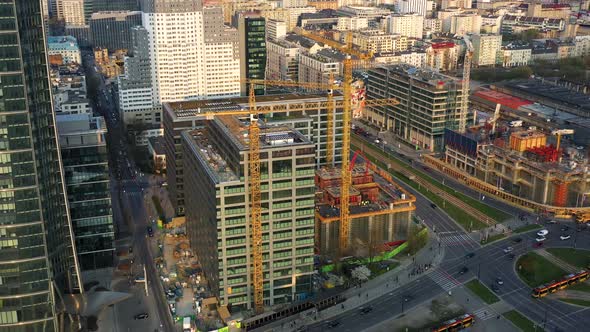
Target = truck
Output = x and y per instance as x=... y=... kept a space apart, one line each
x=186 y=325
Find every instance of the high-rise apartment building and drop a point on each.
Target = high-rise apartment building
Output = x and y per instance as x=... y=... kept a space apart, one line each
x=412 y=6
x=252 y=50
x=486 y=49
x=429 y=103
x=275 y=29
x=38 y=252
x=182 y=116
x=85 y=161
x=71 y=12
x=218 y=223
x=283 y=60
x=463 y=24
x=193 y=55
x=112 y=30
x=409 y=25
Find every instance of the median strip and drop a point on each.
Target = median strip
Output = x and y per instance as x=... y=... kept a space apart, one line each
x=482 y=291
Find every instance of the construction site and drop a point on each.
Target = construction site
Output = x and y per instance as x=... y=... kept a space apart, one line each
x=380 y=212
x=526 y=162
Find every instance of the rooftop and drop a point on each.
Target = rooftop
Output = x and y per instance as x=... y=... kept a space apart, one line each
x=62 y=42
x=198 y=141
x=421 y=74
x=117 y=15
x=550 y=91
x=157 y=143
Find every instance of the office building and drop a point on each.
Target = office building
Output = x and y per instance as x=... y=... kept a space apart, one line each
x=66 y=46
x=71 y=12
x=412 y=6
x=275 y=29
x=112 y=30
x=317 y=67
x=95 y=6
x=283 y=60
x=252 y=50
x=463 y=24
x=429 y=103
x=182 y=116
x=409 y=25
x=38 y=250
x=377 y=41
x=85 y=161
x=135 y=90
x=218 y=214
x=190 y=38
x=486 y=49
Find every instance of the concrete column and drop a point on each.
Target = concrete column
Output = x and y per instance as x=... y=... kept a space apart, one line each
x=546 y=189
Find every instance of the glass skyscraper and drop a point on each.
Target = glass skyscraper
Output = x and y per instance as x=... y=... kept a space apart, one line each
x=37 y=252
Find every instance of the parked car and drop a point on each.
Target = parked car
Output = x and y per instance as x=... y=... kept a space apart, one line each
x=540 y=239
x=517 y=240
x=433 y=206
x=543 y=232
x=150 y=231
x=470 y=255
x=565 y=237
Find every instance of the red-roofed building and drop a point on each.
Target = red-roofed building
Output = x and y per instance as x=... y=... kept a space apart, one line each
x=502 y=99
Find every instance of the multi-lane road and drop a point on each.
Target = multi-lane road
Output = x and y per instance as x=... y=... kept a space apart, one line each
x=127 y=187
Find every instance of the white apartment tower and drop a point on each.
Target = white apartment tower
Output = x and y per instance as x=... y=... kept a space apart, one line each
x=486 y=48
x=409 y=25
x=192 y=54
x=71 y=11
x=412 y=6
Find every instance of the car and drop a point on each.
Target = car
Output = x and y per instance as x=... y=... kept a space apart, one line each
x=139 y=279
x=538 y=244
x=463 y=270
x=565 y=237
x=130 y=250
x=366 y=310
x=495 y=288
x=150 y=231
x=499 y=281
x=470 y=255
x=517 y=240
x=508 y=250
x=540 y=239
x=377 y=141
x=433 y=206
x=333 y=324
x=543 y=232
x=141 y=316
x=511 y=256
x=565 y=228
x=551 y=222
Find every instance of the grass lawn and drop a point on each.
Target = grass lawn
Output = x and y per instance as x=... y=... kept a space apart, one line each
x=582 y=287
x=482 y=291
x=576 y=257
x=584 y=303
x=535 y=270
x=494 y=238
x=493 y=213
x=521 y=321
x=526 y=228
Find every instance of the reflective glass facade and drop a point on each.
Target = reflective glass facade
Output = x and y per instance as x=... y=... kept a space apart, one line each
x=33 y=208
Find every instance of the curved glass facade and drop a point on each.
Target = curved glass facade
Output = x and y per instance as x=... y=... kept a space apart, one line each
x=33 y=208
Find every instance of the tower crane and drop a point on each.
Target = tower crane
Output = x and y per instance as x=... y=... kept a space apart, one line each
x=346 y=177
x=560 y=132
x=465 y=84
x=495 y=118
x=254 y=164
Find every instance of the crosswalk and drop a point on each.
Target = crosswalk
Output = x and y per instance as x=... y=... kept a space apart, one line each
x=454 y=238
x=484 y=313
x=443 y=279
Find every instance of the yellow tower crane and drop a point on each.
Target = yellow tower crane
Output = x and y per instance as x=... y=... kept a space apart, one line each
x=346 y=176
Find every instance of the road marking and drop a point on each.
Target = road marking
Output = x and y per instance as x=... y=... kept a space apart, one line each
x=484 y=313
x=456 y=239
x=444 y=280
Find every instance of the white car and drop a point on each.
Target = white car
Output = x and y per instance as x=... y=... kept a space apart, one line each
x=543 y=233
x=508 y=250
x=565 y=237
x=540 y=239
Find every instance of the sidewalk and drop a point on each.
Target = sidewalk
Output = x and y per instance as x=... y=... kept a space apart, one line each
x=369 y=291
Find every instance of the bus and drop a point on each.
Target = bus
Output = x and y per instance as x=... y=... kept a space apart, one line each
x=456 y=324
x=186 y=325
x=554 y=286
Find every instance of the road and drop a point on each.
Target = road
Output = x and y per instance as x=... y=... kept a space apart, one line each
x=489 y=262
x=127 y=187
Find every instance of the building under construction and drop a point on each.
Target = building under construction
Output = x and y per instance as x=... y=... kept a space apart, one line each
x=521 y=162
x=380 y=212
